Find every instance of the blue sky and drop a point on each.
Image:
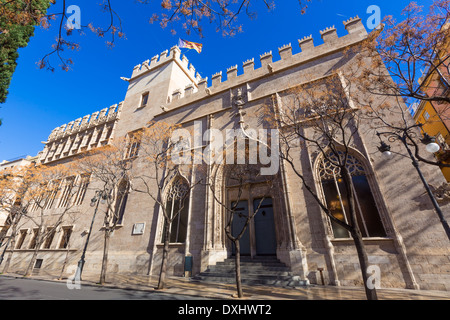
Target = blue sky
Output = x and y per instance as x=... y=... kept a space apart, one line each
x=41 y=100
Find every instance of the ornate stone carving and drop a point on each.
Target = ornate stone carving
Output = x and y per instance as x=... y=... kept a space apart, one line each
x=178 y=190
x=239 y=99
x=327 y=169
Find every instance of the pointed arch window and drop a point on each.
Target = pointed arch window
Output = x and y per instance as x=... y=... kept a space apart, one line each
x=134 y=143
x=121 y=201
x=368 y=217
x=177 y=208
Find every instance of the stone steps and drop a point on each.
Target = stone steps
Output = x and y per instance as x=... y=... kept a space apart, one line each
x=257 y=271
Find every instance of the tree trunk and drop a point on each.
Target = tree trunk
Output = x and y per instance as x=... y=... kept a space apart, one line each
x=8 y=260
x=163 y=271
x=371 y=293
x=238 y=268
x=10 y=243
x=65 y=263
x=29 y=269
x=105 y=256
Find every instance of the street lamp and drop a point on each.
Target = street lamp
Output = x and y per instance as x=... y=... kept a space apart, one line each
x=430 y=142
x=432 y=147
x=100 y=197
x=385 y=150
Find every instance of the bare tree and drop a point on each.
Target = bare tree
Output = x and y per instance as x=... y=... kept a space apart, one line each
x=319 y=116
x=13 y=187
x=187 y=15
x=410 y=55
x=53 y=190
x=38 y=189
x=404 y=62
x=109 y=168
x=165 y=179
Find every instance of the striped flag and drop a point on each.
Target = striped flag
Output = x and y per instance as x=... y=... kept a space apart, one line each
x=190 y=45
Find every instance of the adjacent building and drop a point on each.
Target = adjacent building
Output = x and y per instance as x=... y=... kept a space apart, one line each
x=10 y=197
x=435 y=115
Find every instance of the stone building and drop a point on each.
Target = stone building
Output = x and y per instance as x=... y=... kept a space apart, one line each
x=405 y=240
x=8 y=198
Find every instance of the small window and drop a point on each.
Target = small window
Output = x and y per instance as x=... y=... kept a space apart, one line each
x=121 y=201
x=426 y=115
x=67 y=192
x=64 y=243
x=84 y=183
x=21 y=240
x=33 y=242
x=50 y=234
x=441 y=141
x=144 y=100
x=443 y=85
x=38 y=263
x=52 y=193
x=134 y=143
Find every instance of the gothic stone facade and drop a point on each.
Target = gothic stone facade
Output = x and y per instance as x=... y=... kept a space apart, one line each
x=411 y=252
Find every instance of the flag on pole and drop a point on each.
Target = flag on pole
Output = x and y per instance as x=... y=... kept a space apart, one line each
x=190 y=45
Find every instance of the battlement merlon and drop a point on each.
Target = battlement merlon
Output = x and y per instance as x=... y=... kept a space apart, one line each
x=354 y=26
x=174 y=54
x=306 y=43
x=329 y=35
x=88 y=121
x=285 y=51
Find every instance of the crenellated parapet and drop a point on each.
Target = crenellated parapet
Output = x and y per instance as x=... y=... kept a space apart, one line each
x=174 y=54
x=356 y=32
x=82 y=134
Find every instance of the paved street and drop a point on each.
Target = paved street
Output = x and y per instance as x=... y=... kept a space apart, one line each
x=142 y=288
x=30 y=289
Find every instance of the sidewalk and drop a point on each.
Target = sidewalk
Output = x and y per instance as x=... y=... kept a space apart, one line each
x=194 y=288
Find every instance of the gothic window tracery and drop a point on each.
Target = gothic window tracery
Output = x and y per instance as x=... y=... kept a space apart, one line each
x=334 y=190
x=177 y=208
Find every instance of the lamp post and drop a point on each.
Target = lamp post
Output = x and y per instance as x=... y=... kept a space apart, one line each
x=100 y=196
x=432 y=147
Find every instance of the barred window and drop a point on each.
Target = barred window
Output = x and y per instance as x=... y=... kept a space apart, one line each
x=67 y=192
x=144 y=100
x=121 y=201
x=21 y=239
x=50 y=234
x=84 y=183
x=33 y=241
x=134 y=143
x=65 y=238
x=51 y=193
